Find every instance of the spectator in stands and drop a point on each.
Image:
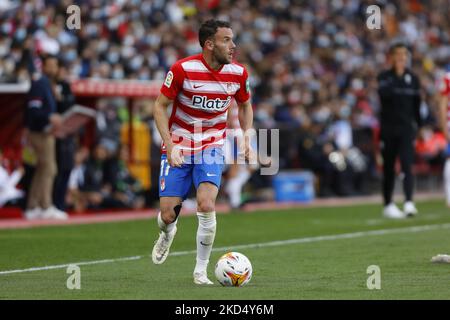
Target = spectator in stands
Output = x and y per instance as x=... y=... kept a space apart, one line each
x=93 y=189
x=65 y=147
x=126 y=189
x=431 y=146
x=300 y=53
x=41 y=120
x=317 y=153
x=76 y=180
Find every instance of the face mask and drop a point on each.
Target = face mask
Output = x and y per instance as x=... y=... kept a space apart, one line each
x=113 y=57
x=20 y=34
x=344 y=112
x=144 y=76
x=136 y=63
x=102 y=46
x=70 y=55
x=41 y=21
x=91 y=30
x=6 y=28
x=117 y=74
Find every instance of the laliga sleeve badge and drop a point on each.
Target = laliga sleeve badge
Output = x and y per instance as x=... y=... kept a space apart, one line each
x=163 y=184
x=169 y=79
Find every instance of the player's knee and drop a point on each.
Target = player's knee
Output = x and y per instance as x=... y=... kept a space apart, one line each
x=169 y=213
x=167 y=218
x=205 y=205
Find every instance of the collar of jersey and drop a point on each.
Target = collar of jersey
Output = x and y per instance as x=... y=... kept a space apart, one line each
x=207 y=65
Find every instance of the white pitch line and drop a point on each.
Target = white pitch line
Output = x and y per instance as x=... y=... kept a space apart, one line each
x=252 y=245
x=62 y=266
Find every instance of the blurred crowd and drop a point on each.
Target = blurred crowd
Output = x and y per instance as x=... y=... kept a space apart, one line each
x=312 y=64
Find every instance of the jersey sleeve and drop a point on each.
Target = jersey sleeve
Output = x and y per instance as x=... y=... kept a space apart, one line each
x=243 y=94
x=444 y=86
x=173 y=83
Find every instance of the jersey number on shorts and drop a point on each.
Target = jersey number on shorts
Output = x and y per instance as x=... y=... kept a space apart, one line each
x=165 y=167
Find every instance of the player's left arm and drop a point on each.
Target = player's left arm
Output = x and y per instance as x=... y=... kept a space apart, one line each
x=245 y=115
x=443 y=103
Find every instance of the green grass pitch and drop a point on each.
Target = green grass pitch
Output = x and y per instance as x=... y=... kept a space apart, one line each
x=318 y=268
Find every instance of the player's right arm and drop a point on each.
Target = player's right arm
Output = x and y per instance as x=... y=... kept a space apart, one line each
x=170 y=88
x=174 y=156
x=443 y=103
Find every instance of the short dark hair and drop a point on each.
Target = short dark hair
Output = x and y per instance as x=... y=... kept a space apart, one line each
x=46 y=57
x=397 y=45
x=209 y=28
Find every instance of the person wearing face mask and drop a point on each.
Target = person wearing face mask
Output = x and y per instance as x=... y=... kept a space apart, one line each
x=41 y=122
x=399 y=92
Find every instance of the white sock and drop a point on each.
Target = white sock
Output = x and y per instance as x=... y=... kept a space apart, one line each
x=447 y=181
x=166 y=228
x=206 y=233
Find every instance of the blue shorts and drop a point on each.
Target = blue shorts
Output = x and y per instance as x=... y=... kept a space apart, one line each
x=205 y=166
x=448 y=150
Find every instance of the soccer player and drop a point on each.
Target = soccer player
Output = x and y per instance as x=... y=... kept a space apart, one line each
x=444 y=104
x=200 y=89
x=399 y=91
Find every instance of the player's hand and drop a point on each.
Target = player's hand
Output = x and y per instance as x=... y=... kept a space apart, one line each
x=174 y=156
x=250 y=154
x=57 y=124
x=56 y=120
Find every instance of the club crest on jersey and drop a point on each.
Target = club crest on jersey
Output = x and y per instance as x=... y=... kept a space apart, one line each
x=163 y=184
x=169 y=79
x=229 y=88
x=217 y=104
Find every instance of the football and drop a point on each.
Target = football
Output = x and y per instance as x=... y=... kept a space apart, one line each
x=233 y=269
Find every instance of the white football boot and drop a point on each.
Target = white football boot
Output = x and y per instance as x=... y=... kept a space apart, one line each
x=201 y=278
x=54 y=213
x=33 y=214
x=391 y=211
x=410 y=209
x=162 y=246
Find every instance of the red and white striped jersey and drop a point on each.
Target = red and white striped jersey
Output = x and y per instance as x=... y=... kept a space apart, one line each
x=444 y=89
x=201 y=98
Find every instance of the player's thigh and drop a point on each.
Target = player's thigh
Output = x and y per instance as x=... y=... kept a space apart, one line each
x=174 y=181
x=207 y=177
x=209 y=169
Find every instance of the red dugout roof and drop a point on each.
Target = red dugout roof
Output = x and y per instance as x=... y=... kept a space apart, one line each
x=115 y=88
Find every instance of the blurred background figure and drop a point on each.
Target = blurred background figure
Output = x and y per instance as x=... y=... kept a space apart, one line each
x=93 y=188
x=313 y=66
x=76 y=180
x=65 y=147
x=237 y=173
x=126 y=190
x=400 y=119
x=40 y=113
x=444 y=106
x=8 y=183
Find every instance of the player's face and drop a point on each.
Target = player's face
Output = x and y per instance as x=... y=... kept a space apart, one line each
x=223 y=45
x=400 y=57
x=50 y=67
